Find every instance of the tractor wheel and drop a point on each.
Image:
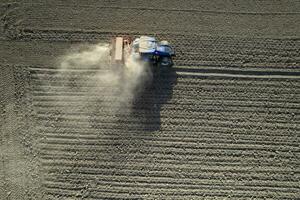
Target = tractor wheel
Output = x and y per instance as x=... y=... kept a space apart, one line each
x=165 y=63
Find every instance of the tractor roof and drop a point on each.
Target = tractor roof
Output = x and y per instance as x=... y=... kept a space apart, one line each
x=147 y=44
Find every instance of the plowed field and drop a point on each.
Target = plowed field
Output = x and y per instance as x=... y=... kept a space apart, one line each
x=222 y=124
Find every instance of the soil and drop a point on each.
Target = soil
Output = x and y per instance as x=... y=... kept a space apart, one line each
x=222 y=124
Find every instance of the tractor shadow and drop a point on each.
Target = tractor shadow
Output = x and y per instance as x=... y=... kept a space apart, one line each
x=146 y=110
x=143 y=122
x=132 y=131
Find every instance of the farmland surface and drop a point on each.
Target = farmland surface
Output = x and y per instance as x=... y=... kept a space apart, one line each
x=222 y=124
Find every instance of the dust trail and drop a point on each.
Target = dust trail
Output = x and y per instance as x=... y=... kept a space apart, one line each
x=96 y=85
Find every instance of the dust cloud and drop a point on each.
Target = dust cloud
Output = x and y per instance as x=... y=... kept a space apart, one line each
x=93 y=84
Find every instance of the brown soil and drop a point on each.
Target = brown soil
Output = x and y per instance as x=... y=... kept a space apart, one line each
x=224 y=123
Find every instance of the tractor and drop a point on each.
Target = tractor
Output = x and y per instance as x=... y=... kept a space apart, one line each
x=145 y=49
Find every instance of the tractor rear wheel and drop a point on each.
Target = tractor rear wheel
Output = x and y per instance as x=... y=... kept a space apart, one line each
x=165 y=62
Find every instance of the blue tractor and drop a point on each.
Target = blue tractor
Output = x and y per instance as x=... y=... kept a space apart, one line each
x=150 y=50
x=146 y=49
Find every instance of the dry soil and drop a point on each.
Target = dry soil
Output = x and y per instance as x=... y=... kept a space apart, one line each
x=223 y=124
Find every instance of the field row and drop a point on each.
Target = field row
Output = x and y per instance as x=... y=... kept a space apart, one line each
x=141 y=17
x=199 y=50
x=266 y=7
x=119 y=192
x=207 y=136
x=209 y=161
x=239 y=120
x=199 y=103
x=189 y=91
x=171 y=184
x=163 y=81
x=163 y=124
x=82 y=85
x=211 y=51
x=45 y=53
x=86 y=78
x=195 y=147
